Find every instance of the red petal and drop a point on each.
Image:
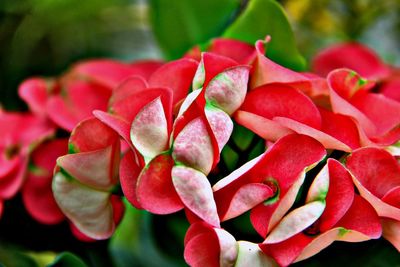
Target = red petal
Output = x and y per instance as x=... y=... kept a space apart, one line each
x=343 y=85
x=194 y=53
x=266 y=71
x=227 y=89
x=383 y=112
x=129 y=172
x=177 y=75
x=341 y=127
x=149 y=130
x=203 y=250
x=129 y=107
x=117 y=123
x=195 y=192
x=34 y=92
x=155 y=190
x=37 y=195
x=13 y=180
x=96 y=151
x=376 y=173
x=97 y=169
x=362 y=218
x=286 y=252
x=376 y=169
x=118 y=208
x=193 y=146
x=391 y=229
x=79 y=235
x=325 y=139
x=350 y=55
x=145 y=68
x=247 y=197
x=393 y=197
x=23 y=129
x=118 y=211
x=46 y=154
x=265 y=128
x=221 y=125
x=237 y=50
x=196 y=229
x=8 y=165
x=295 y=222
x=390 y=88
x=90 y=135
x=194 y=111
x=340 y=195
x=210 y=65
x=319 y=243
x=96 y=219
x=207 y=246
x=127 y=88
x=83 y=97
x=109 y=72
x=39 y=200
x=59 y=113
x=277 y=100
x=76 y=102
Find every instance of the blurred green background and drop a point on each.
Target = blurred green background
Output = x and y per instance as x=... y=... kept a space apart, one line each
x=43 y=37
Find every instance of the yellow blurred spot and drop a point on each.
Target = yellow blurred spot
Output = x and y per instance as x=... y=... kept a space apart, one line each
x=297 y=8
x=42 y=259
x=325 y=22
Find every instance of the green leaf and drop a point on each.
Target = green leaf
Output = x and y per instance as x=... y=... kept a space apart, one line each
x=10 y=257
x=242 y=137
x=267 y=17
x=67 y=259
x=179 y=24
x=230 y=157
x=134 y=244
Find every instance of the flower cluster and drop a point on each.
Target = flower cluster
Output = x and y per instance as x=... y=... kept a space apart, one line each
x=329 y=170
x=32 y=141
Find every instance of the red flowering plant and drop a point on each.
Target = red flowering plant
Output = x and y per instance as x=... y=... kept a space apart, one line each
x=175 y=142
x=260 y=164
x=21 y=134
x=31 y=146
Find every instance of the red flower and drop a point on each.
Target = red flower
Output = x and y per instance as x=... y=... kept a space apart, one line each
x=209 y=246
x=20 y=133
x=283 y=101
x=85 y=179
x=142 y=115
x=175 y=167
x=340 y=112
x=376 y=174
x=241 y=52
x=364 y=61
x=268 y=185
x=375 y=115
x=332 y=212
x=36 y=192
x=87 y=86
